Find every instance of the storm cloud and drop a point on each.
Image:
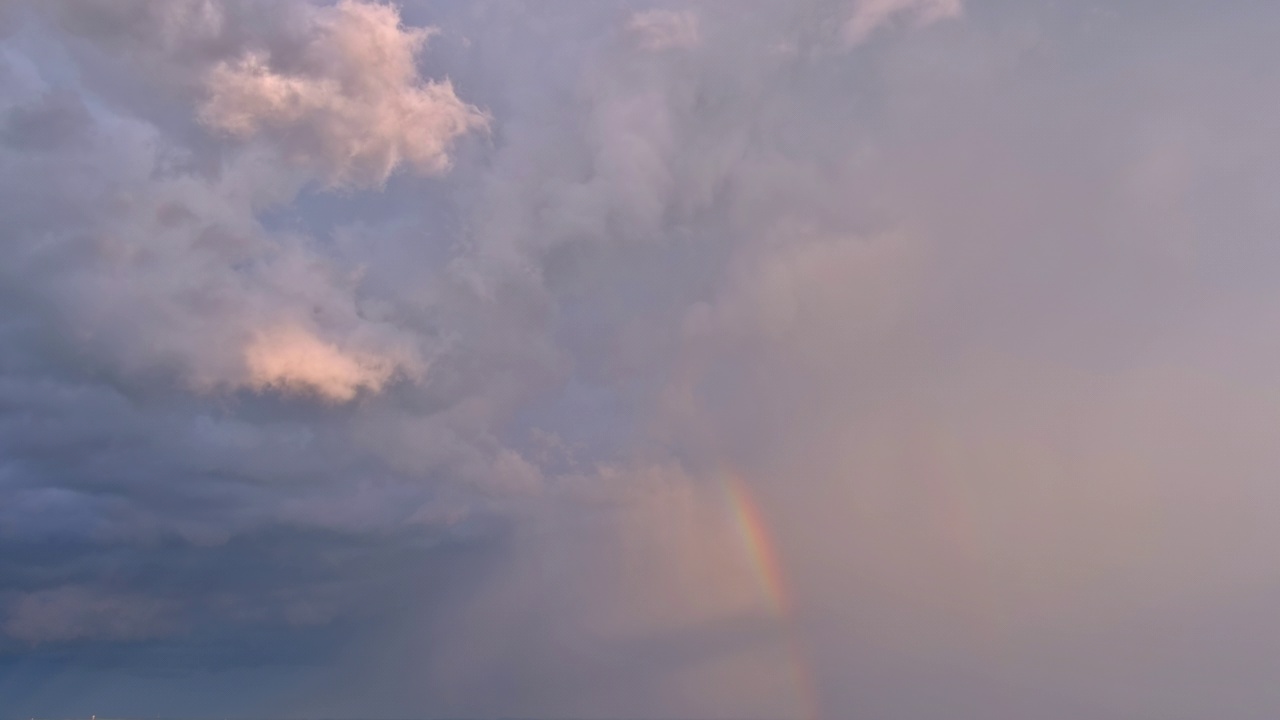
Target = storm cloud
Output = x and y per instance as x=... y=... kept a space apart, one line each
x=428 y=359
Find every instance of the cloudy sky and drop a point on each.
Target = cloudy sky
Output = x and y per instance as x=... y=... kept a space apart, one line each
x=794 y=360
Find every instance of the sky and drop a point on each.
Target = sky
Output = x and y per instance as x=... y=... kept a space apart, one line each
x=750 y=359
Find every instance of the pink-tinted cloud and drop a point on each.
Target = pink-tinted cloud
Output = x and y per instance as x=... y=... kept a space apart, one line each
x=657 y=30
x=293 y=360
x=354 y=108
x=868 y=16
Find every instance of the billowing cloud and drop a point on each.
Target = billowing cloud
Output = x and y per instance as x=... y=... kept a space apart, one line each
x=728 y=376
x=353 y=106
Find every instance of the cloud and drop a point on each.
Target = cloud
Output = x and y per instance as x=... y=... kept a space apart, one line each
x=291 y=359
x=658 y=30
x=72 y=613
x=354 y=107
x=53 y=121
x=981 y=325
x=871 y=15
x=162 y=269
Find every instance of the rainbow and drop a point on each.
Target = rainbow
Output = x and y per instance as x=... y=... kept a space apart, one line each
x=764 y=557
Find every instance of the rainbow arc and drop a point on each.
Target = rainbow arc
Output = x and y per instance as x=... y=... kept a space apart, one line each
x=763 y=551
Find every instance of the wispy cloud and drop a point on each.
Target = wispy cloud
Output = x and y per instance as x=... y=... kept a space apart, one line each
x=868 y=16
x=658 y=30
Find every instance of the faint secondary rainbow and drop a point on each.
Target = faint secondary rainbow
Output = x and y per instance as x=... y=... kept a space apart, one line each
x=764 y=558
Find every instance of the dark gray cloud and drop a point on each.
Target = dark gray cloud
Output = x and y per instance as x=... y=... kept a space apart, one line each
x=372 y=361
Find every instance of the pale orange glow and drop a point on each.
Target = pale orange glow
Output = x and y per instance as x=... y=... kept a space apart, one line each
x=294 y=360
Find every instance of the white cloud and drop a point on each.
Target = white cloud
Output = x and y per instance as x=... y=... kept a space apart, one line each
x=657 y=30
x=870 y=15
x=355 y=109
